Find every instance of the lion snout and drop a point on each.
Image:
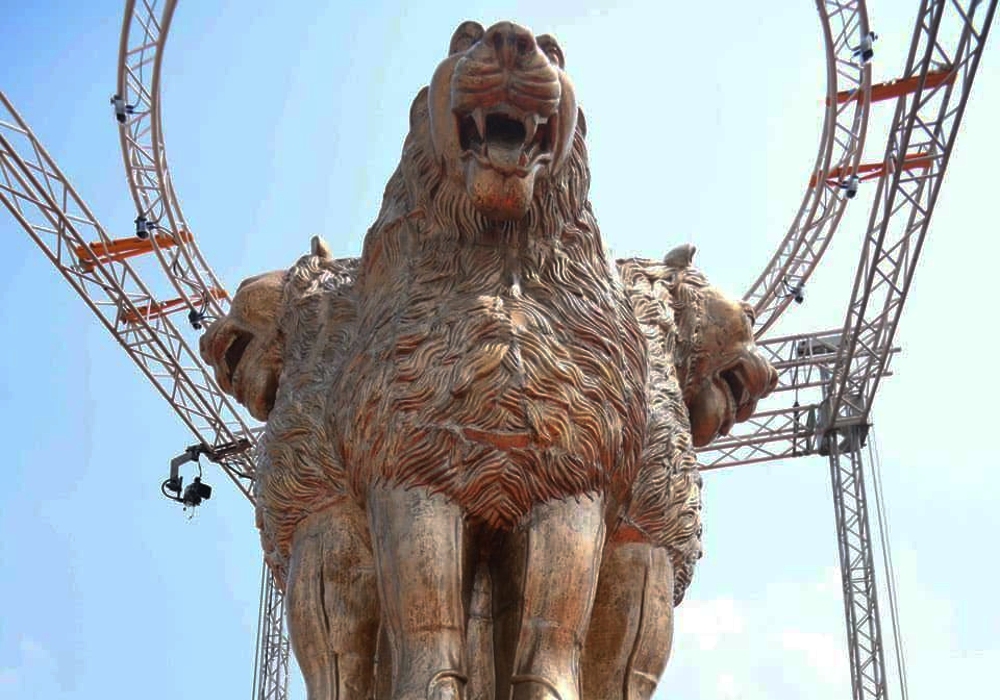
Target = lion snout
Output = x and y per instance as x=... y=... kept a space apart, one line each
x=511 y=43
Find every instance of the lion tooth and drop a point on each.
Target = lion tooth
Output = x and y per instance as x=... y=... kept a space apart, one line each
x=480 y=119
x=530 y=127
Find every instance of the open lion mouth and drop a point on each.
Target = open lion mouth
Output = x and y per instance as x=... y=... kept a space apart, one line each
x=234 y=353
x=735 y=383
x=505 y=140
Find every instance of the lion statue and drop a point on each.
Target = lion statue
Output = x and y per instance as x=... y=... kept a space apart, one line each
x=491 y=408
x=705 y=374
x=275 y=352
x=478 y=407
x=650 y=556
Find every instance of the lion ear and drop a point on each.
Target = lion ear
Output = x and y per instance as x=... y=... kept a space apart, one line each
x=679 y=257
x=550 y=47
x=467 y=34
x=419 y=102
x=320 y=248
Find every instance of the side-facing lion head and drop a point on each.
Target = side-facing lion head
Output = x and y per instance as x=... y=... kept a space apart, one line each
x=275 y=352
x=719 y=368
x=244 y=347
x=248 y=348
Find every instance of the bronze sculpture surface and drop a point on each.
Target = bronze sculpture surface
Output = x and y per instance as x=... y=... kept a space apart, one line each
x=481 y=418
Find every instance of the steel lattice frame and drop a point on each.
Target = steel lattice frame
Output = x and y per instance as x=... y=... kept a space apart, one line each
x=949 y=34
x=862 y=349
x=270 y=677
x=145 y=29
x=805 y=363
x=842 y=142
x=45 y=204
x=140 y=58
x=866 y=655
x=944 y=55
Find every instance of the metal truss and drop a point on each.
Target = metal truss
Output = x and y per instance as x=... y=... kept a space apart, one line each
x=947 y=44
x=137 y=109
x=866 y=655
x=848 y=83
x=849 y=364
x=942 y=62
x=789 y=424
x=928 y=114
x=145 y=29
x=48 y=208
x=270 y=677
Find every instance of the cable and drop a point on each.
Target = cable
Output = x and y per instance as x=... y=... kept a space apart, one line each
x=890 y=572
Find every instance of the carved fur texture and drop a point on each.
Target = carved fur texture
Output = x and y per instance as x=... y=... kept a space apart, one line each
x=665 y=507
x=298 y=472
x=498 y=363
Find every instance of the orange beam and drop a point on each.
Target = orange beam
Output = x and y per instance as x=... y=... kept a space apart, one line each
x=121 y=248
x=898 y=87
x=162 y=308
x=874 y=170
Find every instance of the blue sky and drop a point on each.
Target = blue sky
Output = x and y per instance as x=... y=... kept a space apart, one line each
x=285 y=119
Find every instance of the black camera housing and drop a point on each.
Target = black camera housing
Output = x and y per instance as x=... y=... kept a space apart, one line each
x=196 y=492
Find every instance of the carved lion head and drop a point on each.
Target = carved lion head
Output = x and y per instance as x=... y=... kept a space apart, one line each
x=292 y=317
x=244 y=347
x=502 y=115
x=719 y=368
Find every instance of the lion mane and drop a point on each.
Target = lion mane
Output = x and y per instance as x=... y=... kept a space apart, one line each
x=498 y=401
x=665 y=508
x=298 y=472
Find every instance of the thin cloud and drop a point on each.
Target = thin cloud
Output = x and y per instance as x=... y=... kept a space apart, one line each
x=709 y=621
x=823 y=653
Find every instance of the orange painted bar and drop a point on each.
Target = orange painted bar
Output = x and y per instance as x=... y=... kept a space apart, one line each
x=122 y=248
x=897 y=88
x=157 y=309
x=874 y=170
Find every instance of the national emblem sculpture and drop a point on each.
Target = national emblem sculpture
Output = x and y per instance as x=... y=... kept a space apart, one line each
x=481 y=419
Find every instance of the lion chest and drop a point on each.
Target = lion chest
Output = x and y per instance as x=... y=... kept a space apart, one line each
x=510 y=371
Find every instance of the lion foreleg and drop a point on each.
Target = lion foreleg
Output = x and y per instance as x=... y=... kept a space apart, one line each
x=614 y=623
x=656 y=628
x=419 y=543
x=560 y=545
x=332 y=612
x=479 y=642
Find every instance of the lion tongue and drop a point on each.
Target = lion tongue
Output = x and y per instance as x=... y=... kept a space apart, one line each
x=505 y=155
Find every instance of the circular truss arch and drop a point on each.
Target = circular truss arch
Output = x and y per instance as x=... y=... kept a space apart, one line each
x=145 y=29
x=841 y=145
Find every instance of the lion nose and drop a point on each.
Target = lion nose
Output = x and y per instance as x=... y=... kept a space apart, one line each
x=510 y=41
